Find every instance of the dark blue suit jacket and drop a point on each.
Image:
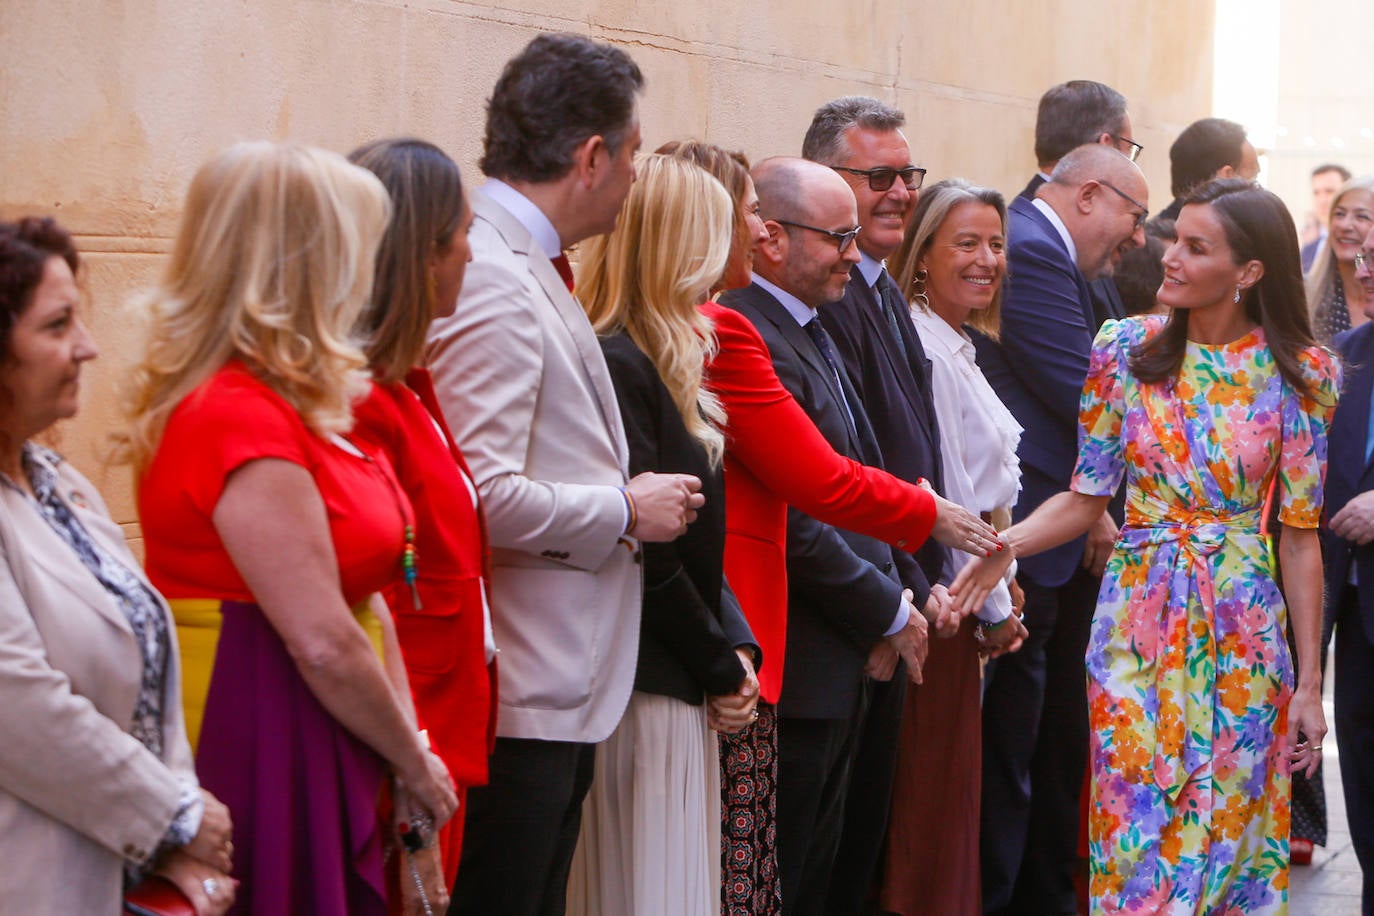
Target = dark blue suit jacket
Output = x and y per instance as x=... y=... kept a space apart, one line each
x=896 y=395
x=842 y=588
x=1038 y=369
x=1348 y=473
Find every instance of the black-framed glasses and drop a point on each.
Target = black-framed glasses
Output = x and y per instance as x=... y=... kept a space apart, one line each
x=881 y=178
x=1135 y=148
x=842 y=239
x=1140 y=217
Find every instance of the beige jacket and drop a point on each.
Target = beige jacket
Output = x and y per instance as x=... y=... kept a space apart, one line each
x=524 y=387
x=78 y=794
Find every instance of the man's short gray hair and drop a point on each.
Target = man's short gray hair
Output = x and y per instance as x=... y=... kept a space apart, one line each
x=825 y=141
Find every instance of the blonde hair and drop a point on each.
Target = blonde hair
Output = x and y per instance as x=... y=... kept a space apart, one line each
x=931 y=211
x=1324 y=274
x=649 y=275
x=272 y=265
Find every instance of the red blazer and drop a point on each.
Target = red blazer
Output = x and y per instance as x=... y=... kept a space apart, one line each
x=454 y=687
x=774 y=457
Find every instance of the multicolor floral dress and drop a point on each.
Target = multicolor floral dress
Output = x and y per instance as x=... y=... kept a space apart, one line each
x=1189 y=671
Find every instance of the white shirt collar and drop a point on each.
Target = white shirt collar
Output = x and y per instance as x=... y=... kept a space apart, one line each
x=800 y=311
x=528 y=214
x=870 y=268
x=1059 y=227
x=935 y=329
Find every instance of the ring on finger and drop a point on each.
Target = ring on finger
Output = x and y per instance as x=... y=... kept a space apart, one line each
x=210 y=886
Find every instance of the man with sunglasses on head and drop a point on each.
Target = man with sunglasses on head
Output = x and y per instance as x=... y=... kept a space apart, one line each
x=1035 y=711
x=861 y=139
x=844 y=591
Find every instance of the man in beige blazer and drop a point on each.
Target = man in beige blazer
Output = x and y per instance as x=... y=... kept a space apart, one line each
x=525 y=389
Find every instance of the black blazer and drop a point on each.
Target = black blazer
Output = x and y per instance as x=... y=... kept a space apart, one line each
x=843 y=588
x=1349 y=473
x=692 y=623
x=895 y=389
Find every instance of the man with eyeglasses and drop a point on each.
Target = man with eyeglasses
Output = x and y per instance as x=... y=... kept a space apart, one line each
x=844 y=590
x=1035 y=713
x=1071 y=115
x=861 y=139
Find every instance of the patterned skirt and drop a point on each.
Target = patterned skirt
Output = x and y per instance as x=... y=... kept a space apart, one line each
x=749 y=830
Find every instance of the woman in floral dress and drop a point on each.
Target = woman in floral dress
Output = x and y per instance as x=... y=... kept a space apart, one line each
x=1196 y=719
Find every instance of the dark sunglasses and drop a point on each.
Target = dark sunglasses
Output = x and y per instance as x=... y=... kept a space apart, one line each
x=881 y=178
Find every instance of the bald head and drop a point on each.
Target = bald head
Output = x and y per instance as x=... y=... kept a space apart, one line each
x=805 y=205
x=792 y=189
x=1102 y=199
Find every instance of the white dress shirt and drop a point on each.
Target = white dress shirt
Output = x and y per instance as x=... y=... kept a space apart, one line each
x=978 y=437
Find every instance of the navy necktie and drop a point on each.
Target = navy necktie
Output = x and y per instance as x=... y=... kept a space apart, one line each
x=822 y=342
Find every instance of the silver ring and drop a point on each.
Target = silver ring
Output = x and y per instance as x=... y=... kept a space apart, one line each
x=211 y=886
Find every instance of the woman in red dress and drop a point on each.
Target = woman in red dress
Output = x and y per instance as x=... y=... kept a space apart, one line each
x=440 y=603
x=271 y=531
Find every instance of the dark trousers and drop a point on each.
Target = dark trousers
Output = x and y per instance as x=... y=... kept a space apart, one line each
x=869 y=799
x=814 y=761
x=1355 y=731
x=1035 y=752
x=521 y=829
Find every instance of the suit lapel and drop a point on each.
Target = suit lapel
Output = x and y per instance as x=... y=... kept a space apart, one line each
x=52 y=554
x=569 y=312
x=801 y=342
x=1027 y=208
x=1351 y=427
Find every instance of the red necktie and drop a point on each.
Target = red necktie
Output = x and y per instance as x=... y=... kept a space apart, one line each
x=560 y=263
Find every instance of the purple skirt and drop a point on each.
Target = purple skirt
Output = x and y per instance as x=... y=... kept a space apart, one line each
x=302 y=790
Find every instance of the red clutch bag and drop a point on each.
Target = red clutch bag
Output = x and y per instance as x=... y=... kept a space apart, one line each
x=156 y=896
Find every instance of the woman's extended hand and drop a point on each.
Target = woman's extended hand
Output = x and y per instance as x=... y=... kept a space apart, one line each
x=210 y=890
x=977 y=580
x=961 y=529
x=1306 y=729
x=213 y=842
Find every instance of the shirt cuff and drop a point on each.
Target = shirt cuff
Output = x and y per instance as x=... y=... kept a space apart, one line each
x=904 y=612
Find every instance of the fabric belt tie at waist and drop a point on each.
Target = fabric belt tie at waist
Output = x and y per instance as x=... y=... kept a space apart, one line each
x=1186 y=694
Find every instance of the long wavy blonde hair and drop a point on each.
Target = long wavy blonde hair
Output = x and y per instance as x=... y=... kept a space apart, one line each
x=649 y=275
x=272 y=265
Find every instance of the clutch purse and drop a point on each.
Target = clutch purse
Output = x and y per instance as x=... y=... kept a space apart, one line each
x=156 y=896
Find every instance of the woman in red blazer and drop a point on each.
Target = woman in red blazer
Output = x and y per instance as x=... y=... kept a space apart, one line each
x=440 y=606
x=775 y=457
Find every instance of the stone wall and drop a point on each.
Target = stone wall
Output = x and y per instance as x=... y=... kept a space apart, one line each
x=108 y=106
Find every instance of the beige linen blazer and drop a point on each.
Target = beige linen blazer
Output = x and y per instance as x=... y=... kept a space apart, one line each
x=78 y=793
x=525 y=389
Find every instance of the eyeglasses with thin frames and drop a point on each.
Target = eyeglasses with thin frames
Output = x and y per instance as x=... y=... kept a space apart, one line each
x=1136 y=149
x=842 y=239
x=1362 y=263
x=1140 y=217
x=882 y=178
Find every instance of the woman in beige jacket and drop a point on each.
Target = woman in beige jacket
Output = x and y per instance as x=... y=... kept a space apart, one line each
x=97 y=786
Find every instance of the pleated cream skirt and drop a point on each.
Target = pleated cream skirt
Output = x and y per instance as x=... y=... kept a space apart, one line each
x=650 y=841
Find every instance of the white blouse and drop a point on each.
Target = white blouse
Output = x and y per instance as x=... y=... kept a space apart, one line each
x=978 y=436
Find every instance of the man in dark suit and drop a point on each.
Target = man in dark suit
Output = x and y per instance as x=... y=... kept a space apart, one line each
x=1035 y=716
x=844 y=590
x=861 y=139
x=1348 y=547
x=1069 y=116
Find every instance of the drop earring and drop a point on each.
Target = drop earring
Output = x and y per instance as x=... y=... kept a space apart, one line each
x=1236 y=298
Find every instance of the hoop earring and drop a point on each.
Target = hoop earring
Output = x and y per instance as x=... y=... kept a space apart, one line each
x=1236 y=299
x=918 y=290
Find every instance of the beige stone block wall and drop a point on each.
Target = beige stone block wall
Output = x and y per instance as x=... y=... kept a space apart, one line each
x=108 y=106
